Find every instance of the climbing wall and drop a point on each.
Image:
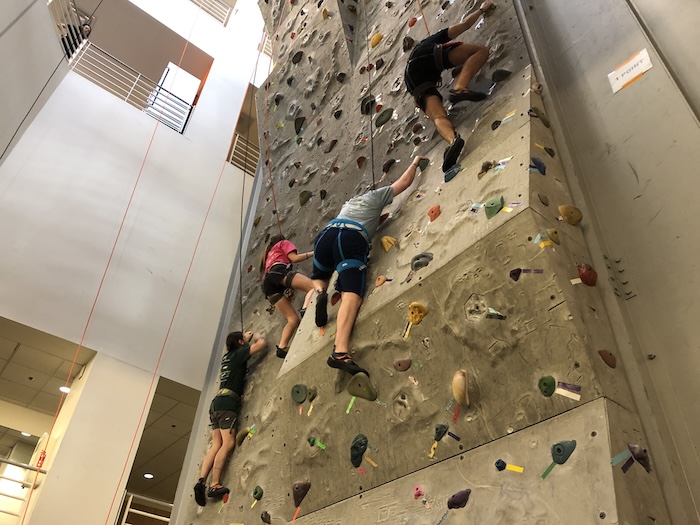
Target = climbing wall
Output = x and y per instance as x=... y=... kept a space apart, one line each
x=545 y=430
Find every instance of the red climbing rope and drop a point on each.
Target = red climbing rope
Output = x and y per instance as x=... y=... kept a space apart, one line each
x=425 y=20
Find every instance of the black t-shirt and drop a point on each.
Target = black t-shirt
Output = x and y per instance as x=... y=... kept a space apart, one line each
x=234 y=365
x=422 y=59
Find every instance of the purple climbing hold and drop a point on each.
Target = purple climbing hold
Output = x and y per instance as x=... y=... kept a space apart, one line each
x=330 y=146
x=380 y=63
x=459 y=500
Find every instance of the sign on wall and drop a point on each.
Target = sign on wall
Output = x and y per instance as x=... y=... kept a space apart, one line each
x=630 y=70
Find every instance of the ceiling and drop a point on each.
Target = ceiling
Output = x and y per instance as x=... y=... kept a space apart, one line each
x=34 y=364
x=164 y=441
x=10 y=437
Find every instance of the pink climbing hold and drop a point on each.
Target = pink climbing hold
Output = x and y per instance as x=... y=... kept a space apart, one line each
x=418 y=492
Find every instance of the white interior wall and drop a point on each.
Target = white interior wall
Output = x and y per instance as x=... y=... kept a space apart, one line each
x=64 y=190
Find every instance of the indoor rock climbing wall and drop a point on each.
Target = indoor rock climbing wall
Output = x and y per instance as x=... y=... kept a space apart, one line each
x=512 y=308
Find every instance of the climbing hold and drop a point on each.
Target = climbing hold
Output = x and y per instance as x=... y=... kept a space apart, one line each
x=240 y=437
x=337 y=113
x=278 y=99
x=257 y=220
x=388 y=165
x=547 y=384
x=543 y=199
x=304 y=197
x=389 y=5
x=319 y=141
x=434 y=212
x=459 y=500
x=363 y=69
x=297 y=57
x=549 y=151
x=500 y=465
x=418 y=492
x=587 y=274
x=299 y=490
x=416 y=312
x=353 y=10
x=562 y=451
x=380 y=63
x=361 y=386
x=402 y=364
x=388 y=242
x=493 y=206
x=325 y=13
x=412 y=21
x=421 y=260
x=335 y=298
x=298 y=124
x=538 y=165
x=570 y=214
x=330 y=146
x=485 y=167
x=494 y=314
x=500 y=75
x=608 y=357
x=417 y=127
x=292 y=35
x=370 y=67
x=380 y=280
x=423 y=163
x=312 y=394
x=640 y=455
x=537 y=88
x=340 y=77
x=384 y=117
x=376 y=38
x=440 y=431
x=460 y=388
x=258 y=492
x=358 y=449
x=408 y=43
x=553 y=235
x=538 y=113
x=361 y=161
x=290 y=80
x=299 y=393
x=265 y=517
x=291 y=183
x=495 y=124
x=367 y=105
x=323 y=194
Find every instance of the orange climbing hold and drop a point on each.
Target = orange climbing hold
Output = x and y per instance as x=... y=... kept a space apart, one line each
x=434 y=212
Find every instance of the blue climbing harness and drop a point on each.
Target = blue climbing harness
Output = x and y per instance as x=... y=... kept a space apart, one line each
x=346 y=264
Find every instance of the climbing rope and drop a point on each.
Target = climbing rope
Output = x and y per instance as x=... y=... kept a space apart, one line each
x=425 y=20
x=369 y=94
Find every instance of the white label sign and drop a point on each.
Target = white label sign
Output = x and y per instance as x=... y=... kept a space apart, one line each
x=630 y=70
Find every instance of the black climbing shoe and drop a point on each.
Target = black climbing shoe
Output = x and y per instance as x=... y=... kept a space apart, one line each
x=452 y=153
x=471 y=96
x=321 y=309
x=218 y=491
x=200 y=491
x=500 y=75
x=281 y=352
x=346 y=364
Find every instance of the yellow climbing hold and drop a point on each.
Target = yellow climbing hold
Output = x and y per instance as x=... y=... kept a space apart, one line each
x=325 y=13
x=376 y=38
x=388 y=242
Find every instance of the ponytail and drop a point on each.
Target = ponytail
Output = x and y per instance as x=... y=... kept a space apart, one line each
x=273 y=240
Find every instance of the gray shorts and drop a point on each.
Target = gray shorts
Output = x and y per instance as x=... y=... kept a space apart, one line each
x=223 y=419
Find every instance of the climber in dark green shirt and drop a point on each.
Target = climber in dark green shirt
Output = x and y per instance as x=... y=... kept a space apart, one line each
x=224 y=410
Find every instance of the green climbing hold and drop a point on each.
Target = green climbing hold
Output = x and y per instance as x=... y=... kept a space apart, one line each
x=493 y=206
x=304 y=197
x=258 y=492
x=440 y=431
x=384 y=117
x=423 y=163
x=299 y=393
x=547 y=384
x=298 y=124
x=257 y=220
x=562 y=451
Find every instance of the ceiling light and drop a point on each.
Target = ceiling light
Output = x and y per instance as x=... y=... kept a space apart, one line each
x=64 y=389
x=26 y=434
x=148 y=475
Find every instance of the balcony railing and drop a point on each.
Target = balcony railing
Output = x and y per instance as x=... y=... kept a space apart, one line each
x=215 y=8
x=244 y=154
x=153 y=510
x=14 y=486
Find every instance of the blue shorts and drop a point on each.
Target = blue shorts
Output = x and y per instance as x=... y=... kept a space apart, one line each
x=328 y=253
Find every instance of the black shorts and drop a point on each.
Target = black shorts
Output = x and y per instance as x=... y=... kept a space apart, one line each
x=422 y=74
x=327 y=253
x=223 y=419
x=276 y=281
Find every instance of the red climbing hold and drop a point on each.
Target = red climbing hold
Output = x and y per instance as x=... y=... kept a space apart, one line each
x=587 y=274
x=412 y=22
x=434 y=212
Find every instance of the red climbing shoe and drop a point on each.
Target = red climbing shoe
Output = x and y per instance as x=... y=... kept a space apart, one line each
x=344 y=362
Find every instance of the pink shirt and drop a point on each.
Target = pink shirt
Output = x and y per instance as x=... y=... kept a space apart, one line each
x=278 y=254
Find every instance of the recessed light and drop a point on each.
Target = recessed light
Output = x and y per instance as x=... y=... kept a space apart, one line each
x=148 y=475
x=26 y=434
x=64 y=389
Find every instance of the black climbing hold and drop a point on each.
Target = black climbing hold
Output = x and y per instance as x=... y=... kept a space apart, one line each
x=313 y=106
x=380 y=63
x=500 y=465
x=421 y=261
x=417 y=127
x=337 y=113
x=361 y=161
x=485 y=167
x=299 y=392
x=319 y=141
x=278 y=99
x=290 y=80
x=340 y=77
x=353 y=10
x=299 y=490
x=304 y=197
x=257 y=220
x=367 y=105
x=549 y=151
x=416 y=141
x=384 y=117
x=495 y=124
x=547 y=384
x=298 y=124
x=265 y=516
x=297 y=57
x=640 y=454
x=292 y=183
x=408 y=43
x=562 y=451
x=389 y=5
x=352 y=28
x=538 y=165
x=538 y=113
x=543 y=199
x=445 y=5
x=323 y=194
x=500 y=75
x=459 y=500
x=388 y=165
x=423 y=163
x=362 y=69
x=440 y=431
x=358 y=449
x=330 y=146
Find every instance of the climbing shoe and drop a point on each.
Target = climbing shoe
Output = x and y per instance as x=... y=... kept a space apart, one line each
x=345 y=363
x=200 y=490
x=461 y=96
x=217 y=491
x=321 y=309
x=281 y=352
x=500 y=75
x=452 y=153
x=302 y=311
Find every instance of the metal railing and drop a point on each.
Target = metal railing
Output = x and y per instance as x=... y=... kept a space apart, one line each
x=125 y=82
x=244 y=154
x=215 y=8
x=130 y=500
x=16 y=500
x=73 y=26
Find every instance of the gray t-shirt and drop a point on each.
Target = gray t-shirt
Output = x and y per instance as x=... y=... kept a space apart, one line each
x=366 y=209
